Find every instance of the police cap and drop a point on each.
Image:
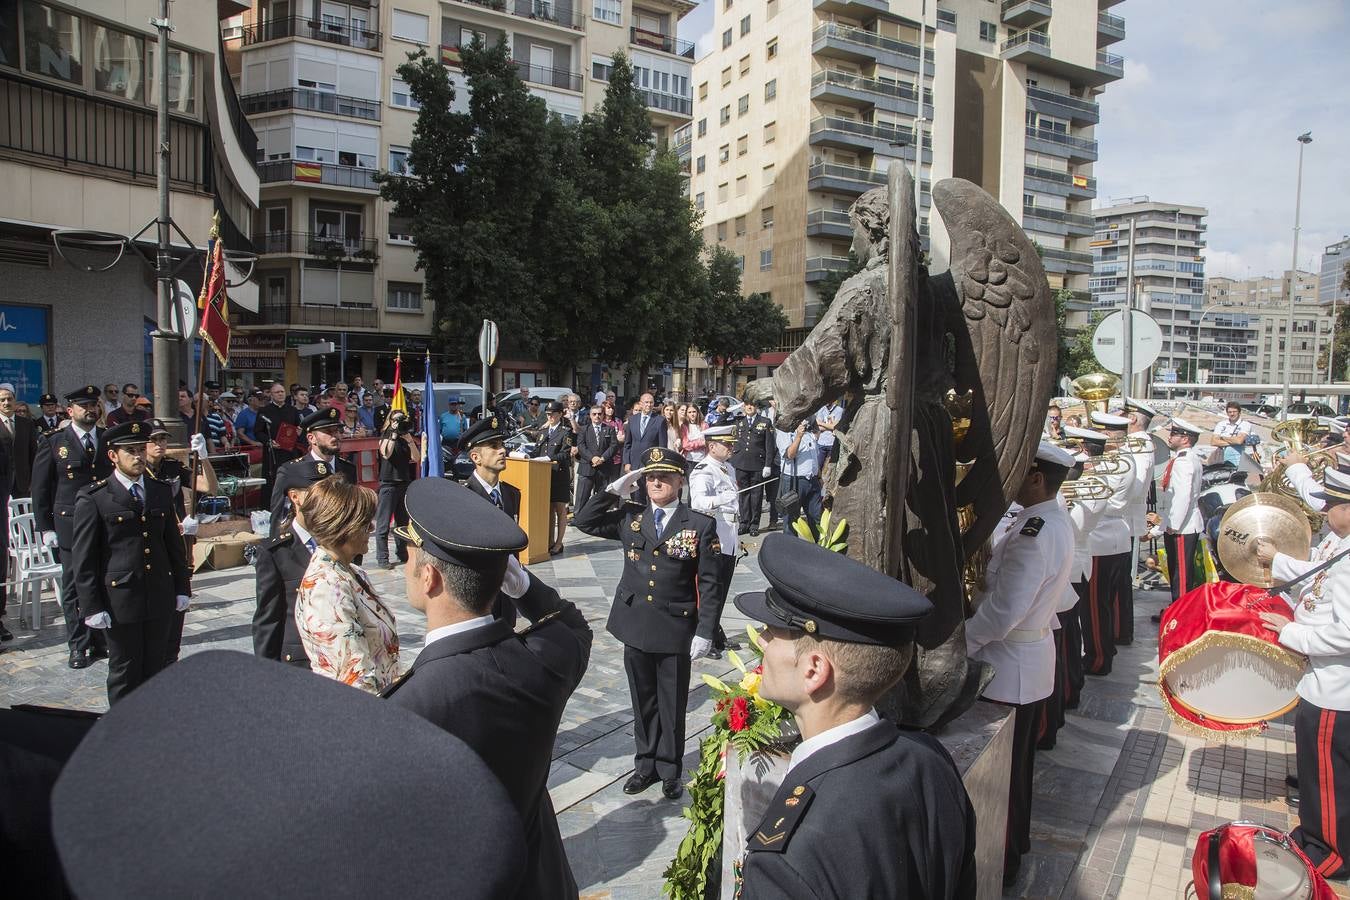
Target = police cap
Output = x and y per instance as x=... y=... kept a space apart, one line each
x=47 y=398
x=663 y=459
x=828 y=595
x=303 y=473
x=157 y=427
x=328 y=417
x=248 y=816
x=457 y=525
x=724 y=433
x=127 y=434
x=484 y=431
x=86 y=394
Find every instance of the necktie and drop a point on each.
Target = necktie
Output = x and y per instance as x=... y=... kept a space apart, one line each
x=496 y=498
x=309 y=542
x=1167 y=473
x=659 y=516
x=597 y=435
x=89 y=445
x=136 y=495
x=643 y=426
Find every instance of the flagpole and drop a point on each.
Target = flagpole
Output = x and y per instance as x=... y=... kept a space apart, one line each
x=194 y=462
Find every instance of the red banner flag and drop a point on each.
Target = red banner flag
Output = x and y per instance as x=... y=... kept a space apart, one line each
x=215 y=328
x=400 y=401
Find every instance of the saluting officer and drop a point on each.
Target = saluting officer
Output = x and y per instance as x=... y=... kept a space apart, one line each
x=69 y=460
x=1027 y=576
x=670 y=562
x=712 y=490
x=752 y=458
x=866 y=809
x=322 y=430
x=279 y=567
x=500 y=692
x=131 y=569
x=1181 y=481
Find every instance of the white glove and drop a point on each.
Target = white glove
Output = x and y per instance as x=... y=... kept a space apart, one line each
x=625 y=484
x=517 y=580
x=181 y=602
x=541 y=459
x=188 y=526
x=699 y=648
x=516 y=454
x=197 y=443
x=98 y=620
x=766 y=472
x=49 y=540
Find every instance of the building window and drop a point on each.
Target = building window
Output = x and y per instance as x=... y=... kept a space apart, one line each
x=722 y=192
x=768 y=175
x=702 y=127
x=771 y=49
x=740 y=263
x=700 y=165
x=608 y=11
x=721 y=231
x=770 y=132
x=726 y=76
x=726 y=39
x=743 y=105
x=771 y=9
x=745 y=66
x=743 y=145
x=703 y=91
x=988 y=31
x=398 y=161
x=745 y=26
x=182 y=80
x=400 y=96
x=400 y=229
x=725 y=116
x=601 y=66
x=412 y=27
x=404 y=296
x=740 y=226
x=119 y=64
x=742 y=185
x=724 y=153
x=771 y=89
x=766 y=217
x=699 y=200
x=766 y=259
x=51 y=39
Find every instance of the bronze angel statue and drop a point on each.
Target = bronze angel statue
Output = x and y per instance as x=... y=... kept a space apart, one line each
x=944 y=380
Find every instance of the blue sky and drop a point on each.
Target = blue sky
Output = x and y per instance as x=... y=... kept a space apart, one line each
x=1215 y=93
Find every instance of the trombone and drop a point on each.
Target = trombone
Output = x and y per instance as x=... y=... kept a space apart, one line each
x=1089 y=487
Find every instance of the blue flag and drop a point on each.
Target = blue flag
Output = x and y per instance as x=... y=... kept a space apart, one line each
x=432 y=464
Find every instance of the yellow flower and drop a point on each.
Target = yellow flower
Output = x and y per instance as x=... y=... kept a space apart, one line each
x=761 y=702
x=750 y=683
x=716 y=684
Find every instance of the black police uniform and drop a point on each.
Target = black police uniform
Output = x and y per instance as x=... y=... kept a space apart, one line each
x=279 y=566
x=485 y=431
x=755 y=449
x=556 y=443
x=881 y=812
x=328 y=417
x=129 y=562
x=62 y=468
x=175 y=475
x=47 y=426
x=657 y=610
x=500 y=692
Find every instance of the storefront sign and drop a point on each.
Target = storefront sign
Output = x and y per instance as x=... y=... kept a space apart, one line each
x=24 y=349
x=257 y=352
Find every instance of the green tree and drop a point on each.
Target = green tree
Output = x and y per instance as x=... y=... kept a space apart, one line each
x=736 y=325
x=1074 y=356
x=829 y=286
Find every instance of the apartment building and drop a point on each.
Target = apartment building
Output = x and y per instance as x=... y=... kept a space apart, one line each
x=1331 y=275
x=801 y=107
x=78 y=105
x=1263 y=303
x=319 y=82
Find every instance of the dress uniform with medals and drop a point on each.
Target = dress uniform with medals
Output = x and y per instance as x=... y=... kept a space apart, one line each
x=500 y=692
x=330 y=417
x=1111 y=584
x=866 y=809
x=1027 y=577
x=712 y=490
x=278 y=568
x=752 y=457
x=69 y=460
x=670 y=566
x=131 y=569
x=1182 y=481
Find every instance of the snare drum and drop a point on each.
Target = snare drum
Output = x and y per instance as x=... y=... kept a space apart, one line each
x=1248 y=860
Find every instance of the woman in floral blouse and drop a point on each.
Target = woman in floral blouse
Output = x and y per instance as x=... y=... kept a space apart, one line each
x=348 y=633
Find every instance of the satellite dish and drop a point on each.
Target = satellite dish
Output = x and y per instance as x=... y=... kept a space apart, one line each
x=184 y=311
x=1108 y=342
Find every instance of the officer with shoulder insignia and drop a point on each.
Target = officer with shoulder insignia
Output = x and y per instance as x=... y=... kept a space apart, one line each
x=712 y=490
x=131 y=568
x=280 y=565
x=323 y=430
x=69 y=460
x=1181 y=481
x=756 y=446
x=485 y=443
x=867 y=809
x=670 y=565
x=500 y=692
x=1027 y=577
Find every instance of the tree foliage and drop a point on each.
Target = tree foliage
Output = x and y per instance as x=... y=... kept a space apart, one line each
x=1074 y=356
x=830 y=284
x=736 y=325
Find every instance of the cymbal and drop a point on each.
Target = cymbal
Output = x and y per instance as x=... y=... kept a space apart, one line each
x=1262 y=514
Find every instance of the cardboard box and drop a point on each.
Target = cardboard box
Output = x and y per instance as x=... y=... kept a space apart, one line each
x=222 y=552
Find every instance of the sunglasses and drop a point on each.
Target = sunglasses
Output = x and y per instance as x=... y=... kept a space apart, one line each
x=129 y=395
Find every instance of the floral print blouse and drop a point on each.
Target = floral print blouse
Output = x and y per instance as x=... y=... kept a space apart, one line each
x=348 y=633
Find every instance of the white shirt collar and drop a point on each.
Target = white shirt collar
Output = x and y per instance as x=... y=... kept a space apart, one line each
x=487 y=487
x=832 y=736
x=444 y=631
x=127 y=482
x=319 y=457
x=301 y=534
x=80 y=432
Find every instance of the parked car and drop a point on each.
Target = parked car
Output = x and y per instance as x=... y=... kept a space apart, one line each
x=471 y=394
x=508 y=398
x=1310 y=409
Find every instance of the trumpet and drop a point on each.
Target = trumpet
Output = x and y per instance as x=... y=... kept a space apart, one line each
x=1089 y=487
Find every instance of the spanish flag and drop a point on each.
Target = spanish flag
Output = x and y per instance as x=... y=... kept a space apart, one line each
x=215 y=327
x=400 y=401
x=308 y=172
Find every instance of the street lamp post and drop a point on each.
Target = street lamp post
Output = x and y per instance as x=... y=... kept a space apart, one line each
x=1303 y=141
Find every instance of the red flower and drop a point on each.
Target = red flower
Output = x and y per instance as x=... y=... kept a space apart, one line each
x=739 y=716
x=758 y=670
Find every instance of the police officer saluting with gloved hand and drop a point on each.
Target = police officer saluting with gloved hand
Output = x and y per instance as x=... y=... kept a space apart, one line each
x=670 y=561
x=752 y=457
x=131 y=569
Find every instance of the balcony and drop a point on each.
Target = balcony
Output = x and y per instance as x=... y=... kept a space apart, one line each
x=853 y=9
x=553 y=78
x=1021 y=13
x=1066 y=262
x=564 y=15
x=1057 y=221
x=299 y=171
x=1026 y=46
x=319 y=314
x=1110 y=64
x=312 y=101
x=76 y=129
x=678 y=106
x=1061 y=184
x=1063 y=106
x=893 y=96
x=1033 y=48
x=243 y=132
x=828 y=223
x=843 y=179
x=1056 y=143
x=818 y=268
x=862 y=46
x=312 y=29
x=318 y=244
x=1109 y=29
x=665 y=43
x=946 y=20
x=829 y=131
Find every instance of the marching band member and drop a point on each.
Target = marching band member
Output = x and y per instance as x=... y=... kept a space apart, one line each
x=1182 y=481
x=1139 y=446
x=712 y=491
x=1084 y=513
x=1111 y=587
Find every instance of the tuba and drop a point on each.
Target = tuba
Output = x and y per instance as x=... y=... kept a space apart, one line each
x=1099 y=387
x=1297 y=436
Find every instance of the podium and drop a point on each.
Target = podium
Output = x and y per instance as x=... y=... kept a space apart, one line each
x=534 y=478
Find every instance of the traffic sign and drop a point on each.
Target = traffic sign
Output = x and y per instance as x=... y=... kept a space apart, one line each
x=487 y=343
x=184 y=310
x=1108 y=342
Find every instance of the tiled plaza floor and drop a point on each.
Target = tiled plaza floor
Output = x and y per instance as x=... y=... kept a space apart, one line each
x=1119 y=802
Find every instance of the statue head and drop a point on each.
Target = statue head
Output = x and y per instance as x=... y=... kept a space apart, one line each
x=871 y=216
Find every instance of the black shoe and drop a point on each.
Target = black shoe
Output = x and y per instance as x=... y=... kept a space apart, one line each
x=639 y=783
x=714 y=653
x=754 y=532
x=5 y=633
x=386 y=565
x=1155 y=618
x=672 y=788
x=78 y=660
x=731 y=645
x=98 y=651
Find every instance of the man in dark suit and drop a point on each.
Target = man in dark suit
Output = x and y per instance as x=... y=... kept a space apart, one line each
x=51 y=417
x=19 y=436
x=67 y=461
x=596 y=443
x=131 y=569
x=500 y=692
x=671 y=556
x=276 y=413
x=644 y=430
x=322 y=432
x=485 y=443
x=866 y=809
x=279 y=566
x=752 y=459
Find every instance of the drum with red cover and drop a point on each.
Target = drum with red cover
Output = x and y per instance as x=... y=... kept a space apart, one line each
x=1247 y=861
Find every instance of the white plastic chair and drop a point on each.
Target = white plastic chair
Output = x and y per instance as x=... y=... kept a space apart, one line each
x=33 y=564
x=20 y=506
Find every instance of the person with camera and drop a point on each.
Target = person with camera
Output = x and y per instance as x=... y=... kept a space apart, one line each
x=799 y=461
x=398 y=455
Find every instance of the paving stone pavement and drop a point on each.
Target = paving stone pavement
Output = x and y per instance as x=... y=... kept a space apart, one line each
x=1118 y=803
